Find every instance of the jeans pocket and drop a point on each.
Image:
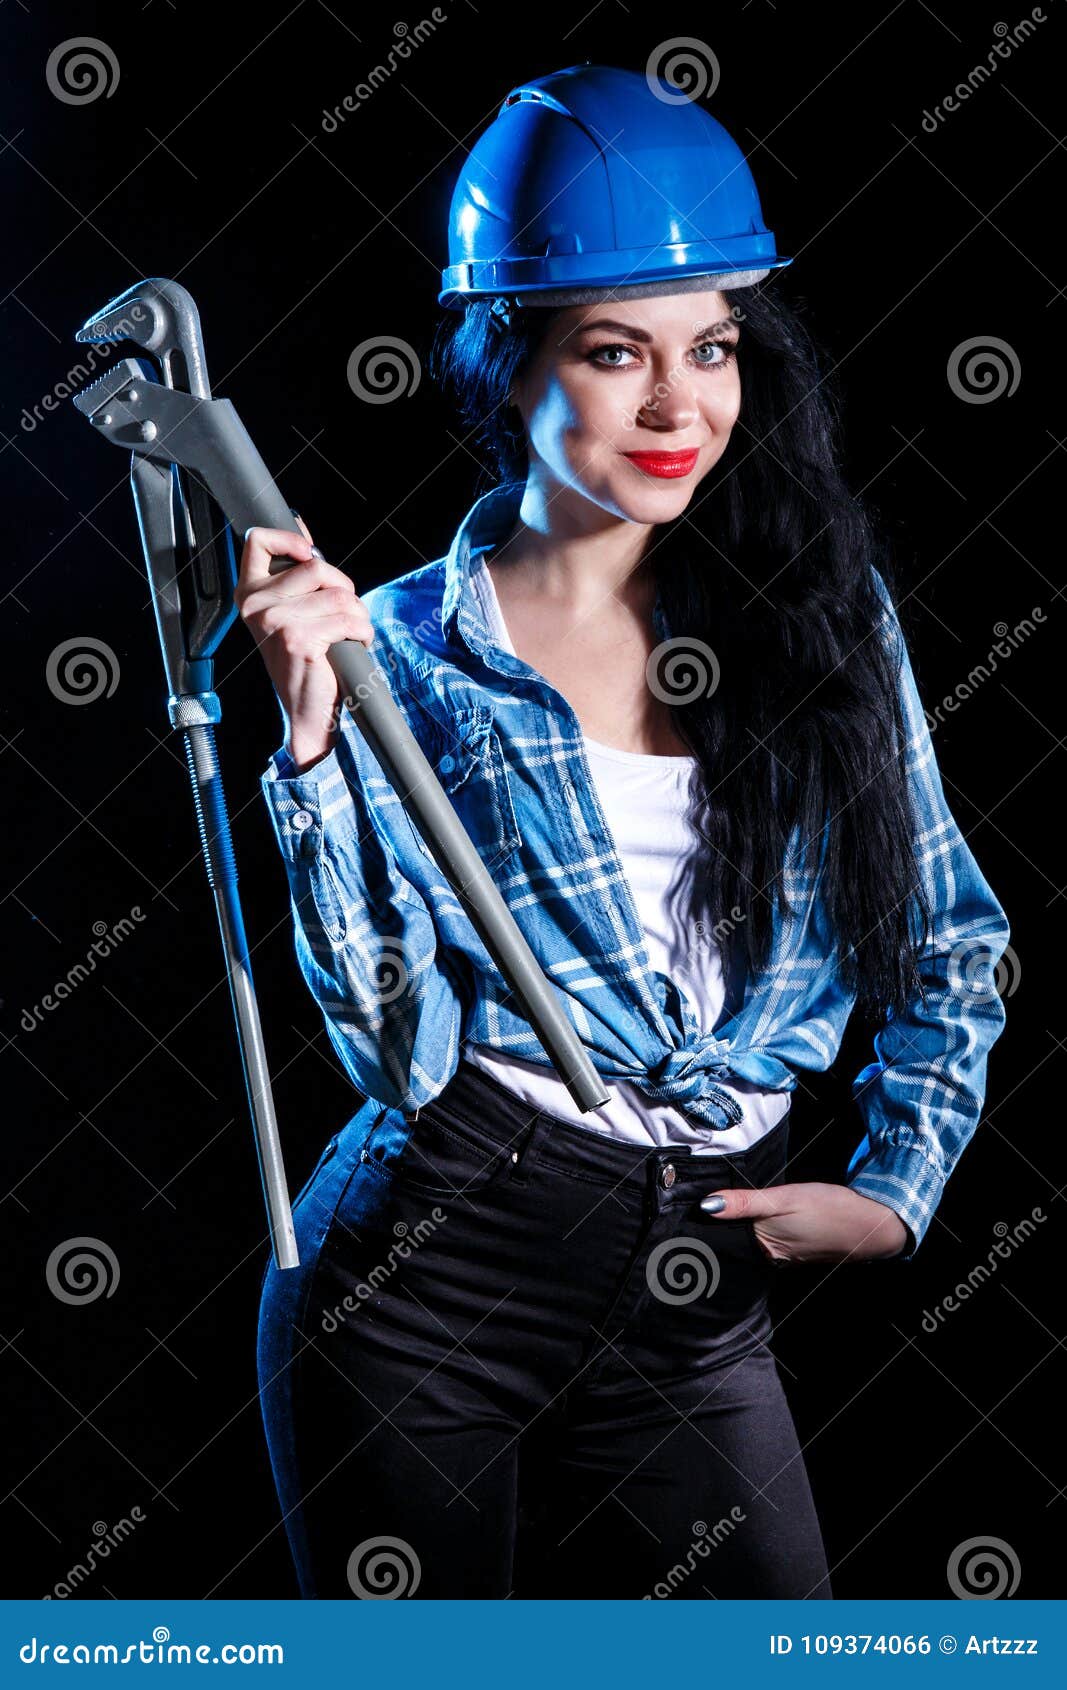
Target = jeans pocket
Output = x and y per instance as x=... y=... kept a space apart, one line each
x=753 y=1245
x=327 y=1153
x=443 y=1156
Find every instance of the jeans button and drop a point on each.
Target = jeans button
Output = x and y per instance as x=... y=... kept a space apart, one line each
x=667 y=1175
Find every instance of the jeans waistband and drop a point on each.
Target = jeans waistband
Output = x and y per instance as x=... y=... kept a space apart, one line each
x=491 y=1108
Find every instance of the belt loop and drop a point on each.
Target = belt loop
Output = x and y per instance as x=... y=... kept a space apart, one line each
x=528 y=1149
x=654 y=1194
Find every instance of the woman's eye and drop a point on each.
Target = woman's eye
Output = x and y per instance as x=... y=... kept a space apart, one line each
x=719 y=353
x=726 y=347
x=598 y=350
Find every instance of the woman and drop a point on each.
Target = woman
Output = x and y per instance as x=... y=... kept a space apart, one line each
x=663 y=683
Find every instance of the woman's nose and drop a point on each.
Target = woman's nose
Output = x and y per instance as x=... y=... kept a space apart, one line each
x=674 y=410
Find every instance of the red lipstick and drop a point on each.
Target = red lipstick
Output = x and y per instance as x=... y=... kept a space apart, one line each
x=667 y=464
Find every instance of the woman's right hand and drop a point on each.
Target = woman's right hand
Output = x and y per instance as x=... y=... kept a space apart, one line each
x=294 y=617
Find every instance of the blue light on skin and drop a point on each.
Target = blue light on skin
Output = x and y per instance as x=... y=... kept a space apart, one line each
x=659 y=374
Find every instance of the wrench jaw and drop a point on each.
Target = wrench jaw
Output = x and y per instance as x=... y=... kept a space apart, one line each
x=134 y=315
x=160 y=316
x=185 y=535
x=111 y=403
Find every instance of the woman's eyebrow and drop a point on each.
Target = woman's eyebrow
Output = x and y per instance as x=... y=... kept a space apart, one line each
x=642 y=334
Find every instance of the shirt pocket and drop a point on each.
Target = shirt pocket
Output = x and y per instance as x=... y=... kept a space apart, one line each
x=467 y=756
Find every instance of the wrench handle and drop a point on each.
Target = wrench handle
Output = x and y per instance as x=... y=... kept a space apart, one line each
x=366 y=695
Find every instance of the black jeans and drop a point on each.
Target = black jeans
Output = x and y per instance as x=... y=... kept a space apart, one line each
x=518 y=1360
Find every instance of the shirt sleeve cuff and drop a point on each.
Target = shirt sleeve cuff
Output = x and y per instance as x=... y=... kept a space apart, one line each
x=896 y=1170
x=301 y=805
x=281 y=765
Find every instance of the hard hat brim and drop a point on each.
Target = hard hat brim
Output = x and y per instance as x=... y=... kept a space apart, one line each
x=593 y=291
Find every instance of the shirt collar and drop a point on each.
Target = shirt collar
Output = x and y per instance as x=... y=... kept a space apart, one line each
x=489 y=520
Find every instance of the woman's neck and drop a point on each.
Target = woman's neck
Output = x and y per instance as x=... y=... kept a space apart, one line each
x=568 y=564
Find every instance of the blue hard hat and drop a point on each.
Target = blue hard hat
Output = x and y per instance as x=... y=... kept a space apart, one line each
x=600 y=178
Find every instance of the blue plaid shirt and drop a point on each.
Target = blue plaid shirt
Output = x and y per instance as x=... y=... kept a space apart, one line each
x=403 y=979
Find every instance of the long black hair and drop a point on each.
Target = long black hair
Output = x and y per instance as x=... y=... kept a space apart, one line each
x=769 y=567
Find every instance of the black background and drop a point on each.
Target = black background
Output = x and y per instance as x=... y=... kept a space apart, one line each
x=127 y=1120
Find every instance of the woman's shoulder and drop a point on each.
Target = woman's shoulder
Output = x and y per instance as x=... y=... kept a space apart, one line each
x=405 y=613
x=434 y=683
x=426 y=582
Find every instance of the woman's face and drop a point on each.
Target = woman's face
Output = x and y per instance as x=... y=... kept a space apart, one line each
x=657 y=376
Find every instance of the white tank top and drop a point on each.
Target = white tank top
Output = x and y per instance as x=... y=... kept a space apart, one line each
x=646 y=800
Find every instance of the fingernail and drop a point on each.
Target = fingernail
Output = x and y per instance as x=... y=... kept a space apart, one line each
x=316 y=553
x=712 y=1205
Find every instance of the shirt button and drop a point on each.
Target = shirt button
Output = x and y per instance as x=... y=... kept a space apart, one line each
x=447 y=763
x=667 y=1175
x=303 y=819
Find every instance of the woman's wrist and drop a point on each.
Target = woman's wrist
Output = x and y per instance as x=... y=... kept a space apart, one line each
x=304 y=753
